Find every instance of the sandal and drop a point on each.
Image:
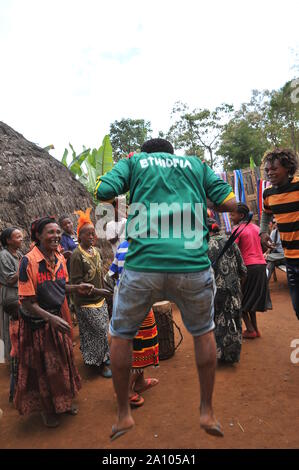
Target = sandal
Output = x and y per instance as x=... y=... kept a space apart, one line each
x=149 y=383
x=118 y=432
x=249 y=334
x=106 y=372
x=136 y=400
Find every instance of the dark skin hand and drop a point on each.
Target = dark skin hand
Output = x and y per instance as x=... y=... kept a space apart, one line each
x=36 y=311
x=81 y=289
x=266 y=241
x=13 y=279
x=58 y=323
x=103 y=292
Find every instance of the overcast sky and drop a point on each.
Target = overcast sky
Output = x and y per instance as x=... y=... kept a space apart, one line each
x=70 y=68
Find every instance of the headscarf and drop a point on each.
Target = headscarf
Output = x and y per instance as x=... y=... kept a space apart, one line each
x=84 y=218
x=38 y=225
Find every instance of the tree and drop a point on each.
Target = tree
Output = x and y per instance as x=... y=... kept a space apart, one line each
x=128 y=135
x=285 y=112
x=199 y=130
x=271 y=118
x=239 y=142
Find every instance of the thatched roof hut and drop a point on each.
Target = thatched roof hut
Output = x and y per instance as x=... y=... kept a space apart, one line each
x=34 y=184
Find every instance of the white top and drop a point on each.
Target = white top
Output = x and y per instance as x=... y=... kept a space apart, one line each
x=116 y=229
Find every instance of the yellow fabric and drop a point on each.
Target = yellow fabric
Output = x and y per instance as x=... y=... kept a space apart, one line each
x=98 y=305
x=97 y=187
x=229 y=197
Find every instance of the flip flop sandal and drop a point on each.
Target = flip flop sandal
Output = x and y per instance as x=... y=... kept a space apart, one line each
x=118 y=432
x=214 y=430
x=136 y=400
x=150 y=382
x=249 y=334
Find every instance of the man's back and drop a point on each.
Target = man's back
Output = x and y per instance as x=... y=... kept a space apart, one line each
x=166 y=223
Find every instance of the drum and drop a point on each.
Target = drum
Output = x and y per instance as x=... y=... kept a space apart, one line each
x=165 y=322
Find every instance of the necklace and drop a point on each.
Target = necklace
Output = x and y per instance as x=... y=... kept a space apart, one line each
x=89 y=250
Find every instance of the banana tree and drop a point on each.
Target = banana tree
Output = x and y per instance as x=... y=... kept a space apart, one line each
x=90 y=164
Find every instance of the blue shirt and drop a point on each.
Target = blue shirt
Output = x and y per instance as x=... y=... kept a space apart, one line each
x=68 y=242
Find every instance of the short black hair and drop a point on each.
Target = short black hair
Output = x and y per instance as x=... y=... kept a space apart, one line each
x=286 y=157
x=62 y=218
x=6 y=235
x=157 y=145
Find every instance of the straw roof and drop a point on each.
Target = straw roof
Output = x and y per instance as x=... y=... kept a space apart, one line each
x=34 y=184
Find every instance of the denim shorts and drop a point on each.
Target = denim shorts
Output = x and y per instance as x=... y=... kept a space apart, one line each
x=193 y=293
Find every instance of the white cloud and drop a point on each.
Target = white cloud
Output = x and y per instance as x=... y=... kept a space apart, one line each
x=71 y=68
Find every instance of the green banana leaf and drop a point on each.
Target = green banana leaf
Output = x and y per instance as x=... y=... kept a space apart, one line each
x=64 y=158
x=91 y=177
x=77 y=161
x=104 y=159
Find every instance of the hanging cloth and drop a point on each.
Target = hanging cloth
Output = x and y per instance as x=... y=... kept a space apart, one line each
x=225 y=215
x=239 y=186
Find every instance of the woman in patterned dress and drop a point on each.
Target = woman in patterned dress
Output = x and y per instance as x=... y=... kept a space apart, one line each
x=92 y=313
x=48 y=379
x=229 y=271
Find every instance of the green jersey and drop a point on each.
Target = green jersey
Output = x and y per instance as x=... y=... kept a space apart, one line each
x=168 y=205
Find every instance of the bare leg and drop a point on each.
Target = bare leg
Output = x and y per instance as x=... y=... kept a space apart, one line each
x=139 y=381
x=253 y=320
x=121 y=361
x=133 y=381
x=248 y=322
x=205 y=355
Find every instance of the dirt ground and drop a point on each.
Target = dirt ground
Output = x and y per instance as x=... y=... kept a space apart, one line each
x=255 y=400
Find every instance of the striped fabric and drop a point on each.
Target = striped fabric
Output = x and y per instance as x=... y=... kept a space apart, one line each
x=225 y=215
x=119 y=261
x=283 y=202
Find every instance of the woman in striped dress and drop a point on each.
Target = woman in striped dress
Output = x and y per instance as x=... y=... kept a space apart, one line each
x=145 y=343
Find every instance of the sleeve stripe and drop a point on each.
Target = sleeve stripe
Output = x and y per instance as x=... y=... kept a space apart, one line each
x=228 y=198
x=97 y=187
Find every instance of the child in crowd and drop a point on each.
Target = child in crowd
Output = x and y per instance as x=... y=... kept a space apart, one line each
x=255 y=290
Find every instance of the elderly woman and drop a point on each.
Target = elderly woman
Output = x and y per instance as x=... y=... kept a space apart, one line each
x=92 y=312
x=47 y=378
x=229 y=271
x=11 y=241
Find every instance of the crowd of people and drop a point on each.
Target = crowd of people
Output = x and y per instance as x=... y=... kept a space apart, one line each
x=216 y=281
